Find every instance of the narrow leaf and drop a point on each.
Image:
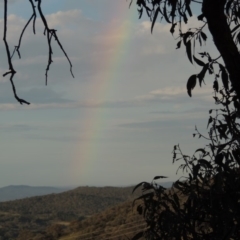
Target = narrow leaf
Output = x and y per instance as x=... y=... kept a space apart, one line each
x=228 y=5
x=191 y=84
x=215 y=85
x=200 y=17
x=130 y=3
x=224 y=76
x=201 y=75
x=179 y=44
x=158 y=177
x=185 y=19
x=138 y=185
x=204 y=36
x=173 y=28
x=154 y=18
x=199 y=62
x=189 y=50
x=189 y=10
x=165 y=14
x=186 y=35
x=209 y=120
x=200 y=150
x=235 y=28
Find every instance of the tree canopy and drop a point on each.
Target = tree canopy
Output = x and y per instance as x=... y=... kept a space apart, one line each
x=205 y=203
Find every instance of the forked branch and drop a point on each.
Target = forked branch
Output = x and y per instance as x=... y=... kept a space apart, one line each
x=48 y=32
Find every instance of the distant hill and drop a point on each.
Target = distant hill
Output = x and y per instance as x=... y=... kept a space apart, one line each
x=35 y=214
x=14 y=192
x=119 y=222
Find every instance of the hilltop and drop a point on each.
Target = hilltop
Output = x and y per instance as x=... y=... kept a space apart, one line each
x=14 y=192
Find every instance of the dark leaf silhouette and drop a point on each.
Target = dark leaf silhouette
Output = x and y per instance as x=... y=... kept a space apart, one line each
x=191 y=84
x=200 y=17
x=154 y=18
x=158 y=177
x=179 y=44
x=165 y=14
x=219 y=159
x=186 y=36
x=228 y=5
x=215 y=85
x=204 y=36
x=189 y=10
x=139 y=185
x=209 y=121
x=172 y=29
x=235 y=28
x=200 y=150
x=201 y=75
x=199 y=62
x=189 y=50
x=224 y=76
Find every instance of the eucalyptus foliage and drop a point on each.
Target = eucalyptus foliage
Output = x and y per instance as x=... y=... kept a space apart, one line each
x=205 y=203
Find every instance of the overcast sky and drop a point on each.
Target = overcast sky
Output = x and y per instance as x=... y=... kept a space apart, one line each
x=117 y=121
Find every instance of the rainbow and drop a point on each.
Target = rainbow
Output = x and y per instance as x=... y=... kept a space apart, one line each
x=87 y=152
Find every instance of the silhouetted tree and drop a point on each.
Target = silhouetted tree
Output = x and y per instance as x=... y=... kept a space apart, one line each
x=49 y=33
x=205 y=204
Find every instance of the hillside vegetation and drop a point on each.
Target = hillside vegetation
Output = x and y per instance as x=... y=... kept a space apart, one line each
x=32 y=218
x=116 y=223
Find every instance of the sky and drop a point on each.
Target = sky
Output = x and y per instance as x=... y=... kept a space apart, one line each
x=116 y=122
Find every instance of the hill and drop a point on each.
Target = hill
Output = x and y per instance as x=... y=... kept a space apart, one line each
x=14 y=192
x=120 y=222
x=35 y=214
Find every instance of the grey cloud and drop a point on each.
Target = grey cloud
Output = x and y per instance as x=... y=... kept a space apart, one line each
x=16 y=128
x=159 y=124
x=37 y=95
x=44 y=95
x=191 y=110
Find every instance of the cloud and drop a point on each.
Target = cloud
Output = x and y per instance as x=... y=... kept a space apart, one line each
x=149 y=61
x=45 y=97
x=16 y=128
x=179 y=94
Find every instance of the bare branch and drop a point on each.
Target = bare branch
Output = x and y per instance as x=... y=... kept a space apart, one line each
x=51 y=33
x=12 y=71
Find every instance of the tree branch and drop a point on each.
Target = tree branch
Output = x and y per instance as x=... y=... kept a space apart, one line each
x=12 y=71
x=51 y=33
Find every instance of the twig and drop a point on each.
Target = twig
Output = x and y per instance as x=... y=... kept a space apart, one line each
x=51 y=33
x=12 y=71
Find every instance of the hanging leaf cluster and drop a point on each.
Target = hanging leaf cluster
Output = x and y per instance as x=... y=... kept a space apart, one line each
x=177 y=13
